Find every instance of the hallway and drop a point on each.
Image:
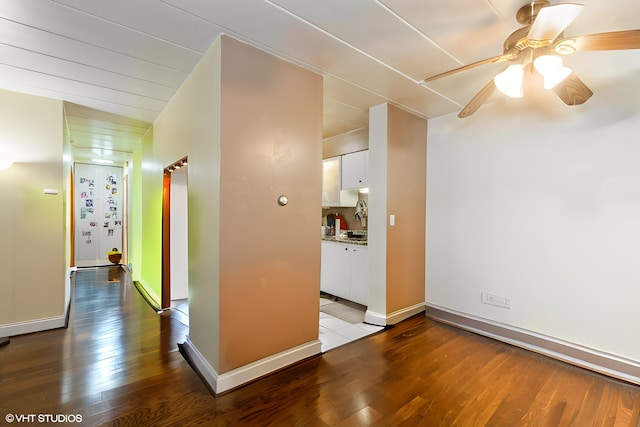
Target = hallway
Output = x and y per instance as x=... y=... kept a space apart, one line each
x=118 y=364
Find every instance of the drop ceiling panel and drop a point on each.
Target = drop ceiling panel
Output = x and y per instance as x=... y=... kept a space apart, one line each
x=81 y=89
x=91 y=129
x=50 y=45
x=296 y=40
x=153 y=18
x=350 y=94
x=48 y=66
x=392 y=86
x=111 y=121
x=95 y=133
x=339 y=118
x=269 y=28
x=374 y=30
x=63 y=21
x=466 y=29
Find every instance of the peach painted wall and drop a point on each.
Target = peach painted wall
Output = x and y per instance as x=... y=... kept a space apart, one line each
x=270 y=145
x=406 y=198
x=251 y=125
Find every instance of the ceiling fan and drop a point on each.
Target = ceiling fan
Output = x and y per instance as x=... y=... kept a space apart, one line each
x=539 y=46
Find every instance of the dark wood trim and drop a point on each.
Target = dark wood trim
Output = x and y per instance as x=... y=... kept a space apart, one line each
x=166 y=240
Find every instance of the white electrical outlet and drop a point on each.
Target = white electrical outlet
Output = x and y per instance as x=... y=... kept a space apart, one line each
x=496 y=300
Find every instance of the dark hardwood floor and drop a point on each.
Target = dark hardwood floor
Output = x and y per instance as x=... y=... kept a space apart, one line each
x=118 y=364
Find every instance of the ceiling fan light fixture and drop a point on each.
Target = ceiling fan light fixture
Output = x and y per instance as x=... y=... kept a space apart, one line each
x=551 y=68
x=510 y=80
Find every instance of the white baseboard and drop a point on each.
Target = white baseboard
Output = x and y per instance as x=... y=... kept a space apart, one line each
x=220 y=383
x=375 y=318
x=572 y=353
x=397 y=316
x=31 y=326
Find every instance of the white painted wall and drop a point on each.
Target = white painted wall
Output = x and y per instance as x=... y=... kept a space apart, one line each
x=179 y=235
x=377 y=227
x=542 y=206
x=34 y=254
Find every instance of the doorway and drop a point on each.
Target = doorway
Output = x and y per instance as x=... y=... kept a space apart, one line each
x=99 y=213
x=175 y=253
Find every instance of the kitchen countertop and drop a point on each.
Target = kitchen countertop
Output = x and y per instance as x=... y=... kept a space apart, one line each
x=348 y=240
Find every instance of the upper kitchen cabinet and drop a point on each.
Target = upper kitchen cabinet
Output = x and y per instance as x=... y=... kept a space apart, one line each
x=332 y=193
x=354 y=170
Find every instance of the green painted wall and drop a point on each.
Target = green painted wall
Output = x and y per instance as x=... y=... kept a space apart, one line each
x=150 y=235
x=135 y=216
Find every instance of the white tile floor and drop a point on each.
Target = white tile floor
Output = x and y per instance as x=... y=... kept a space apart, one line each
x=335 y=332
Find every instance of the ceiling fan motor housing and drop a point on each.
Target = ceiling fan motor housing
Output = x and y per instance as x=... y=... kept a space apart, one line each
x=527 y=13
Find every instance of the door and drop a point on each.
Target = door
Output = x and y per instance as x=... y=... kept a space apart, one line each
x=99 y=213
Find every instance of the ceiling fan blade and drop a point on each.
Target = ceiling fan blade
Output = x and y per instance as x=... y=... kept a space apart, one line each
x=551 y=21
x=494 y=59
x=480 y=98
x=572 y=90
x=615 y=40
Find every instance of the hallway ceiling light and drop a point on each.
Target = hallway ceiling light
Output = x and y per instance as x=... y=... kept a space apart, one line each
x=5 y=164
x=177 y=165
x=102 y=161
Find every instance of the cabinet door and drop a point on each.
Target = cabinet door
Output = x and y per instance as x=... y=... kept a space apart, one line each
x=354 y=170
x=332 y=195
x=360 y=274
x=331 y=182
x=335 y=269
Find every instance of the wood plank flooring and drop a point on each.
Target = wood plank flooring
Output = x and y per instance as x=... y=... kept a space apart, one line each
x=118 y=364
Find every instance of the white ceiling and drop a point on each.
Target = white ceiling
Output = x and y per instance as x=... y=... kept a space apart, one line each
x=128 y=57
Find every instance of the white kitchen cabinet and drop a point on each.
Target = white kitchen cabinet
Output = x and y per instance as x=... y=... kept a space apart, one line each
x=344 y=271
x=332 y=194
x=354 y=170
x=360 y=274
x=335 y=269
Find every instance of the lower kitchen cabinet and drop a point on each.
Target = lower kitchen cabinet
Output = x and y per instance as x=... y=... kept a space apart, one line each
x=345 y=271
x=360 y=275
